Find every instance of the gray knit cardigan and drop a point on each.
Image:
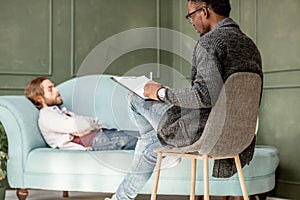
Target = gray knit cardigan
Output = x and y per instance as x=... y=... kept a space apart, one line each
x=217 y=54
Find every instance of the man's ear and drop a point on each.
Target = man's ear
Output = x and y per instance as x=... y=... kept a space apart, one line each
x=205 y=12
x=39 y=100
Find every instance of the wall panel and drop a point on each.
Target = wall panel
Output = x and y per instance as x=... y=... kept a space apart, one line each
x=32 y=42
x=25 y=50
x=278 y=39
x=92 y=19
x=280 y=127
x=279 y=32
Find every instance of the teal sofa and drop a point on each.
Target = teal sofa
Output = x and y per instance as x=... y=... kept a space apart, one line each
x=33 y=164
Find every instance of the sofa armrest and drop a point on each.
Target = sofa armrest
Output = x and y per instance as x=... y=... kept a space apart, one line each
x=19 y=119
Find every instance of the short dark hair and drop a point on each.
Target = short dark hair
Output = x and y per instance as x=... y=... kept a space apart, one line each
x=34 y=89
x=221 y=7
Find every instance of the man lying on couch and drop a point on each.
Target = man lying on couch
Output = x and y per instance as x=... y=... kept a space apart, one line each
x=66 y=130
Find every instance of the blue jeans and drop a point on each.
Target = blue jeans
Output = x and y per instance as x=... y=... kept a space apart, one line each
x=147 y=115
x=113 y=139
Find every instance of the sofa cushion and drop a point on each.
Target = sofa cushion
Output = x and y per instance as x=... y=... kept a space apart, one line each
x=116 y=162
x=56 y=161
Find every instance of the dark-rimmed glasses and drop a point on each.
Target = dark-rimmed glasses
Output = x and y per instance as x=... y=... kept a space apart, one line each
x=189 y=15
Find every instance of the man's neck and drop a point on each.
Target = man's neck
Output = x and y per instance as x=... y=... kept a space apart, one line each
x=47 y=106
x=215 y=20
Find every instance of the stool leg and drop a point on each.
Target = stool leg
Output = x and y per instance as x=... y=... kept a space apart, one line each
x=241 y=177
x=206 y=180
x=193 y=179
x=157 y=173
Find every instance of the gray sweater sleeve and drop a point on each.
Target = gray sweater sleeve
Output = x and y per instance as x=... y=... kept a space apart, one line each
x=205 y=85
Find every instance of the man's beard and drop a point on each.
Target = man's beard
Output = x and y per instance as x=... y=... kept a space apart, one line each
x=54 y=102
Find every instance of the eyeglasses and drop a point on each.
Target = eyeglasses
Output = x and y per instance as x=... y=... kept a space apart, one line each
x=189 y=15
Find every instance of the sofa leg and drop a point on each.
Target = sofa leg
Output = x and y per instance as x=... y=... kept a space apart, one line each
x=22 y=193
x=65 y=194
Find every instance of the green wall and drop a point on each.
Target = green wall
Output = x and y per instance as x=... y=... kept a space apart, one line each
x=52 y=38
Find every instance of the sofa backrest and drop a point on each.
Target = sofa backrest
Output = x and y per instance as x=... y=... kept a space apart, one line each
x=98 y=96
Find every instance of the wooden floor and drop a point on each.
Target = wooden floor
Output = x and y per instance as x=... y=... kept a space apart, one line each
x=54 y=195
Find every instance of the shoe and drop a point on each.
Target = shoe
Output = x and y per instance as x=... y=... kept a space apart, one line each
x=169 y=162
x=107 y=199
